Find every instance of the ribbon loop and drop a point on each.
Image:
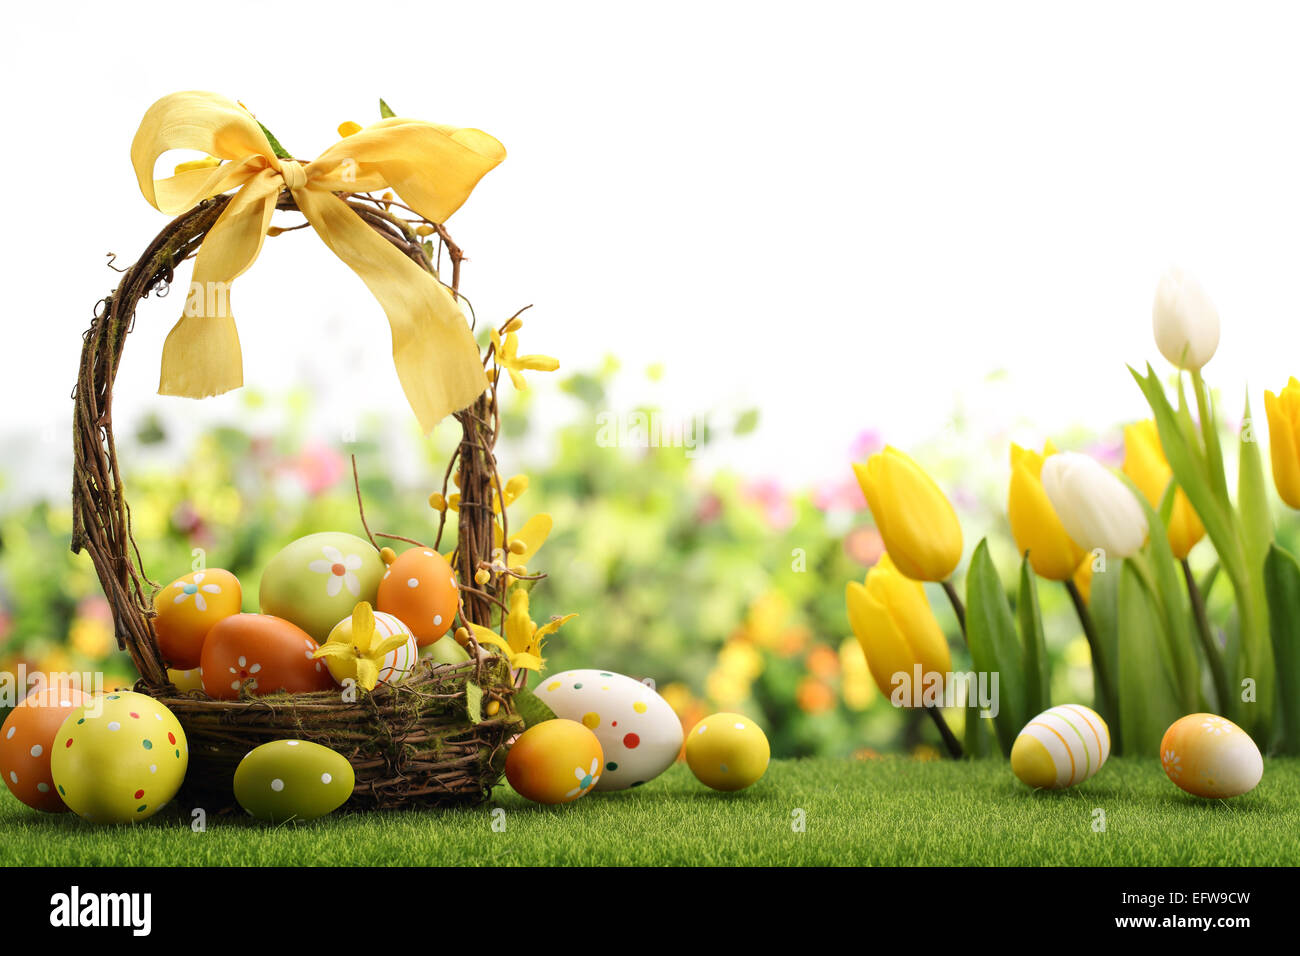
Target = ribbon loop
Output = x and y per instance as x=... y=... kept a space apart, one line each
x=433 y=168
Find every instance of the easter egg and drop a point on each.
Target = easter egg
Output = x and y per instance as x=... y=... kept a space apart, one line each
x=445 y=650
x=727 y=751
x=292 y=780
x=186 y=681
x=1210 y=756
x=268 y=653
x=397 y=663
x=119 y=758
x=640 y=735
x=556 y=761
x=27 y=741
x=186 y=610
x=317 y=580
x=1061 y=747
x=419 y=588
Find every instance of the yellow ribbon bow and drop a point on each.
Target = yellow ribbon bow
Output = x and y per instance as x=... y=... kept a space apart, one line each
x=432 y=168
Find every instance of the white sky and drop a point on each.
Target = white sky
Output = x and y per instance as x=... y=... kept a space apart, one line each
x=859 y=208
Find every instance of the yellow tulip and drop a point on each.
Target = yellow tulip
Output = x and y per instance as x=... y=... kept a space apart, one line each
x=893 y=622
x=1083 y=579
x=1144 y=462
x=915 y=520
x=1284 y=441
x=1034 y=522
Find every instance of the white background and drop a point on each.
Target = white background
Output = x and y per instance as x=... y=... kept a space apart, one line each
x=860 y=208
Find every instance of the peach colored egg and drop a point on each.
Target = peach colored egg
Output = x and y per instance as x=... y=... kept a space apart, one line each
x=186 y=610
x=420 y=590
x=1210 y=756
x=26 y=740
x=270 y=651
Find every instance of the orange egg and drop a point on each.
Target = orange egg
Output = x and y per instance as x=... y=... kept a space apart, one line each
x=556 y=761
x=187 y=608
x=420 y=590
x=26 y=740
x=273 y=652
x=1210 y=756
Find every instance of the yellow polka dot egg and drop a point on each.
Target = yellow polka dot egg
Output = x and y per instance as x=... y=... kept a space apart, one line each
x=1061 y=747
x=1210 y=756
x=119 y=758
x=638 y=731
x=727 y=751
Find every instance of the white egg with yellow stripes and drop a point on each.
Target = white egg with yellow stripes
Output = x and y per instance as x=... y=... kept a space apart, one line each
x=1061 y=747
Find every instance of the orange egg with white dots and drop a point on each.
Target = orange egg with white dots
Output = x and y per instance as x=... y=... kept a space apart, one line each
x=26 y=740
x=420 y=590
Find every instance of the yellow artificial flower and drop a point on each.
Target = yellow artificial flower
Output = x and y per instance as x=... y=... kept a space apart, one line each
x=914 y=518
x=208 y=162
x=349 y=128
x=526 y=541
x=1034 y=523
x=354 y=652
x=895 y=626
x=524 y=639
x=508 y=358
x=1145 y=464
x=1284 y=441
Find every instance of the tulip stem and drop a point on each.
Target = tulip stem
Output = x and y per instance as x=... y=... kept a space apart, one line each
x=949 y=739
x=958 y=608
x=1213 y=653
x=1105 y=689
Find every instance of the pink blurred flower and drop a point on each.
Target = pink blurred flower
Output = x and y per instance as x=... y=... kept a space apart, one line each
x=1108 y=451
x=772 y=501
x=709 y=509
x=318 y=467
x=864 y=545
x=842 y=495
x=866 y=444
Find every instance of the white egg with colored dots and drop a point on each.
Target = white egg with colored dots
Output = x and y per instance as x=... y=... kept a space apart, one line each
x=119 y=758
x=727 y=751
x=1061 y=747
x=639 y=733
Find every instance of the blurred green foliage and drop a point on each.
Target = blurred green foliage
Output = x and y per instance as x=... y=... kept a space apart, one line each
x=726 y=589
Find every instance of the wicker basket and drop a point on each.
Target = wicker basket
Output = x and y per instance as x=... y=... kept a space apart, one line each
x=426 y=741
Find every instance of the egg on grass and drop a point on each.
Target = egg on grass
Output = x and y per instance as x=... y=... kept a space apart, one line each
x=640 y=735
x=556 y=761
x=1209 y=756
x=727 y=751
x=27 y=741
x=1060 y=747
x=292 y=780
x=119 y=758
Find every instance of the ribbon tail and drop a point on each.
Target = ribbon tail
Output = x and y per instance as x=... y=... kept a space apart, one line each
x=201 y=356
x=435 y=355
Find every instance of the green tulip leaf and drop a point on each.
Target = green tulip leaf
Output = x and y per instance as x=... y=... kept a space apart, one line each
x=385 y=111
x=1103 y=608
x=1252 y=495
x=1038 y=680
x=1282 y=581
x=975 y=741
x=994 y=644
x=1148 y=700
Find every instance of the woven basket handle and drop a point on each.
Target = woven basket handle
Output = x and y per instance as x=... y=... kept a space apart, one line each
x=101 y=517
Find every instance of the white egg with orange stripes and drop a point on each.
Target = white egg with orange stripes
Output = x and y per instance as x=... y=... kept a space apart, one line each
x=1061 y=747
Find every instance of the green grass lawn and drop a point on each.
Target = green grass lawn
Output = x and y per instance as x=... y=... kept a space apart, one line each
x=880 y=812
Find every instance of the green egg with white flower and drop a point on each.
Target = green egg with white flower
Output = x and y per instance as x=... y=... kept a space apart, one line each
x=293 y=780
x=316 y=581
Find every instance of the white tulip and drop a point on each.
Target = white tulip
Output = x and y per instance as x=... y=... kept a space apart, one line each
x=1185 y=321
x=1095 y=507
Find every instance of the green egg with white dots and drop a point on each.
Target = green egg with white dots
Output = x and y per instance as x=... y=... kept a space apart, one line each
x=292 y=780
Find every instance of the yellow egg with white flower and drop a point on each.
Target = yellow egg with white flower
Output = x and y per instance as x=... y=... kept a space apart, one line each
x=1060 y=747
x=556 y=761
x=727 y=751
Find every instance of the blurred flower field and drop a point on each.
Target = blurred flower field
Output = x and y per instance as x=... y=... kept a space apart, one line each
x=726 y=589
